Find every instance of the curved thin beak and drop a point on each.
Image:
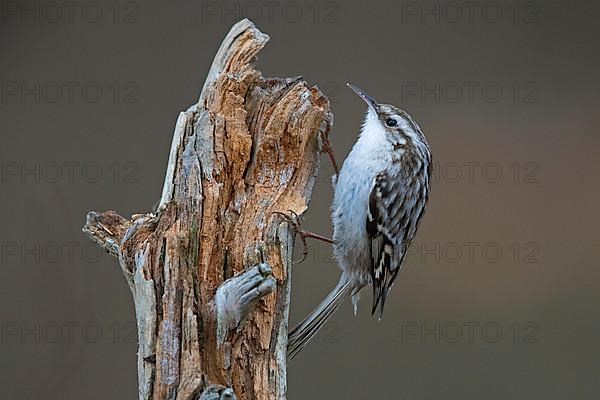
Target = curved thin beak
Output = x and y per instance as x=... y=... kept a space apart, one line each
x=368 y=99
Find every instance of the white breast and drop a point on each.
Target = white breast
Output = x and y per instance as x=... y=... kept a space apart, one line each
x=368 y=157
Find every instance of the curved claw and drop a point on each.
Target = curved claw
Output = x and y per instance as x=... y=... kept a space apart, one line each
x=294 y=219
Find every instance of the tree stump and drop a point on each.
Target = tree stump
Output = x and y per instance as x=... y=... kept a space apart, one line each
x=210 y=269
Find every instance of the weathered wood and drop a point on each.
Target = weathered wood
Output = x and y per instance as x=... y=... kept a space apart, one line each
x=248 y=148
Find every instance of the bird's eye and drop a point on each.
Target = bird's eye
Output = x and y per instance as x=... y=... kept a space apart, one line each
x=391 y=122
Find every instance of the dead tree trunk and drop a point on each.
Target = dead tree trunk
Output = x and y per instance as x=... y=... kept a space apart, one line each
x=210 y=270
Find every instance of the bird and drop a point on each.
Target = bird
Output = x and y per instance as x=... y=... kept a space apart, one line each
x=379 y=199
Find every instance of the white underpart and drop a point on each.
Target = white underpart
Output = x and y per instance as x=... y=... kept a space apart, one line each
x=371 y=155
x=368 y=157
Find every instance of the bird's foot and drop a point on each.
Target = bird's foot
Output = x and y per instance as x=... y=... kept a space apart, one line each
x=329 y=150
x=294 y=219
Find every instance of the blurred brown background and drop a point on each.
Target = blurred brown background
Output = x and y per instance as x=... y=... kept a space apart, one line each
x=499 y=297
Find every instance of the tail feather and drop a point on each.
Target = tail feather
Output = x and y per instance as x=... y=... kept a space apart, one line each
x=301 y=334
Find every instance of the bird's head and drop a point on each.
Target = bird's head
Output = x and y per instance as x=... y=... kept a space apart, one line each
x=397 y=125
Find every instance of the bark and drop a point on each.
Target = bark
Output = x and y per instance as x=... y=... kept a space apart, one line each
x=210 y=270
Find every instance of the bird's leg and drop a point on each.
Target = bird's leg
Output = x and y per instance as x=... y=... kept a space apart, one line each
x=294 y=219
x=324 y=134
x=329 y=150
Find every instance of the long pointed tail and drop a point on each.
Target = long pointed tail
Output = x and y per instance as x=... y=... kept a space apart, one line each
x=301 y=334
